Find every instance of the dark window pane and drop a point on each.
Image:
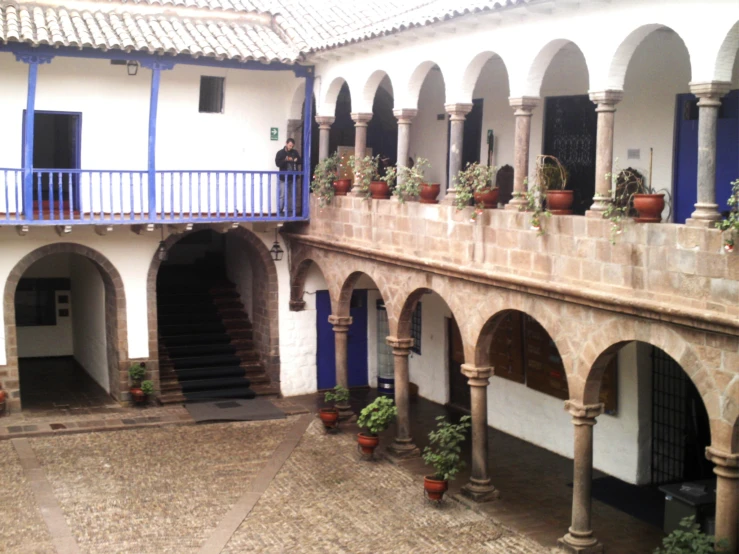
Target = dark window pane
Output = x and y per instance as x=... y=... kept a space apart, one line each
x=416 y=329
x=35 y=301
x=211 y=94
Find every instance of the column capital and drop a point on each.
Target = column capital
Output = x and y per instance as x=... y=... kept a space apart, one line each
x=341 y=323
x=710 y=91
x=399 y=344
x=606 y=98
x=404 y=115
x=325 y=121
x=583 y=414
x=361 y=119
x=524 y=104
x=727 y=465
x=458 y=111
x=477 y=373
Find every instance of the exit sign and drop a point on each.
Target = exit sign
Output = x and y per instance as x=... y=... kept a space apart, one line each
x=274 y=133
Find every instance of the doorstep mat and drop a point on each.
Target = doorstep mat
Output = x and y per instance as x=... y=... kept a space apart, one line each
x=254 y=409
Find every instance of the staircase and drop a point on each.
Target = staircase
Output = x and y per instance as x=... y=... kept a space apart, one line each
x=206 y=350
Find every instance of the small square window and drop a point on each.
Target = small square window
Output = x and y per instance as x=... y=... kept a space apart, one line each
x=416 y=329
x=211 y=94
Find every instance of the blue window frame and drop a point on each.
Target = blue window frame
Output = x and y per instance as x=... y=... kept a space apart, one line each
x=416 y=329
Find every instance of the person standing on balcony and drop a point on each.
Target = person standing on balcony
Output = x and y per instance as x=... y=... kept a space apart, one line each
x=286 y=159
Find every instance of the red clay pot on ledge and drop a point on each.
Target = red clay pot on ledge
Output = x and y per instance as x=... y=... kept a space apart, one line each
x=434 y=488
x=428 y=193
x=367 y=443
x=379 y=190
x=559 y=202
x=342 y=186
x=329 y=417
x=138 y=396
x=488 y=198
x=649 y=207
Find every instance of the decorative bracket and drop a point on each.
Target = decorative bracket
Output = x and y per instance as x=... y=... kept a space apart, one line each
x=34 y=58
x=162 y=64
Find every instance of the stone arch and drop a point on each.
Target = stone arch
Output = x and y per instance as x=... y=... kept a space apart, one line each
x=472 y=74
x=328 y=104
x=295 y=110
x=341 y=306
x=727 y=54
x=541 y=63
x=415 y=82
x=409 y=304
x=370 y=89
x=115 y=316
x=625 y=51
x=266 y=333
x=297 y=282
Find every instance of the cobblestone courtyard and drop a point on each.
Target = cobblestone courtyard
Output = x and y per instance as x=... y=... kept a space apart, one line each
x=231 y=487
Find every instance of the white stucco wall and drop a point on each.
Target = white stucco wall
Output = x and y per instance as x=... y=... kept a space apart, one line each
x=48 y=340
x=428 y=134
x=90 y=346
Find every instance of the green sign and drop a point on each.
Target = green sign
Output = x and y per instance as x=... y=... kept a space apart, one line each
x=274 y=133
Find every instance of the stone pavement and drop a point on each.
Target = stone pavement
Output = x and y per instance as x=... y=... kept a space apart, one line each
x=170 y=489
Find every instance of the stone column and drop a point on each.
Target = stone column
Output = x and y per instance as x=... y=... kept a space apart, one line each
x=403 y=446
x=709 y=94
x=523 y=107
x=360 y=142
x=404 y=136
x=606 y=109
x=341 y=332
x=580 y=538
x=324 y=128
x=727 y=495
x=458 y=113
x=479 y=488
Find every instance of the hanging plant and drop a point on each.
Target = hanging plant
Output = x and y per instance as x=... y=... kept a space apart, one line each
x=410 y=180
x=365 y=171
x=323 y=179
x=474 y=179
x=730 y=225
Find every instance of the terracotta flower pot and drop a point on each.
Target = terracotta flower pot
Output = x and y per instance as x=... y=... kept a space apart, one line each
x=649 y=207
x=488 y=198
x=559 y=202
x=138 y=395
x=434 y=488
x=379 y=190
x=367 y=443
x=342 y=186
x=329 y=417
x=3 y=395
x=429 y=192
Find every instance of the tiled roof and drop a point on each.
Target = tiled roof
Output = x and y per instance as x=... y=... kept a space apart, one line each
x=263 y=30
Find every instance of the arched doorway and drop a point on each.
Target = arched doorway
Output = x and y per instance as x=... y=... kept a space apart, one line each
x=216 y=316
x=65 y=308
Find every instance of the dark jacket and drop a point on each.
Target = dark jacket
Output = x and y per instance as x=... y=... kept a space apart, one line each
x=282 y=162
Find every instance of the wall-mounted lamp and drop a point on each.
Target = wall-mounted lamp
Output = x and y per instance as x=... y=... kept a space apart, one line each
x=276 y=252
x=132 y=67
x=162 y=250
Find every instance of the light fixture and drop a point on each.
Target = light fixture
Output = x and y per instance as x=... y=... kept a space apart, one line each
x=162 y=250
x=132 y=67
x=276 y=251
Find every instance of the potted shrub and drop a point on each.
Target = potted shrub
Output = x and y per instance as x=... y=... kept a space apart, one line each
x=443 y=454
x=3 y=399
x=376 y=418
x=325 y=185
x=410 y=183
x=136 y=373
x=551 y=178
x=691 y=540
x=330 y=416
x=476 y=182
x=730 y=225
x=368 y=181
x=147 y=387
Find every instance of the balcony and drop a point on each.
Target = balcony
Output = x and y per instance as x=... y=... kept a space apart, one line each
x=79 y=197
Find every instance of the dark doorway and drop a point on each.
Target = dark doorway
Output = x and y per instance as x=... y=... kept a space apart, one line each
x=56 y=145
x=459 y=390
x=382 y=130
x=342 y=130
x=570 y=129
x=680 y=426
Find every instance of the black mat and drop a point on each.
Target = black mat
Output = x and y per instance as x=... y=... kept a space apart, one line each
x=642 y=502
x=234 y=410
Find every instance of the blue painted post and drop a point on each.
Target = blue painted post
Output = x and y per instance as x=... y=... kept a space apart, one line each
x=156 y=67
x=33 y=62
x=307 y=129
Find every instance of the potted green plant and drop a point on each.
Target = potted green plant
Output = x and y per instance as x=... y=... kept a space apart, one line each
x=330 y=416
x=730 y=225
x=137 y=373
x=444 y=455
x=411 y=183
x=376 y=418
x=325 y=185
x=368 y=181
x=551 y=178
x=476 y=182
x=147 y=387
x=691 y=540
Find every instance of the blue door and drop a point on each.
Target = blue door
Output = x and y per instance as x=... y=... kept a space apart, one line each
x=686 y=152
x=357 y=341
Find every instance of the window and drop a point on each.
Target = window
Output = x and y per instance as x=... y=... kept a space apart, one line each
x=416 y=329
x=211 y=94
x=35 y=301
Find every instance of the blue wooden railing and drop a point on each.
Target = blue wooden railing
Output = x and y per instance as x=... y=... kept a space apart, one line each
x=81 y=196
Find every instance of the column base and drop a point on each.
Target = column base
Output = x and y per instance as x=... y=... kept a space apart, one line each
x=449 y=197
x=705 y=215
x=480 y=491
x=580 y=545
x=596 y=214
x=354 y=191
x=401 y=450
x=517 y=203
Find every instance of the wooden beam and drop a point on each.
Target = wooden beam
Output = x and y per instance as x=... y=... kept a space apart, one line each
x=62 y=230
x=22 y=230
x=138 y=229
x=103 y=230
